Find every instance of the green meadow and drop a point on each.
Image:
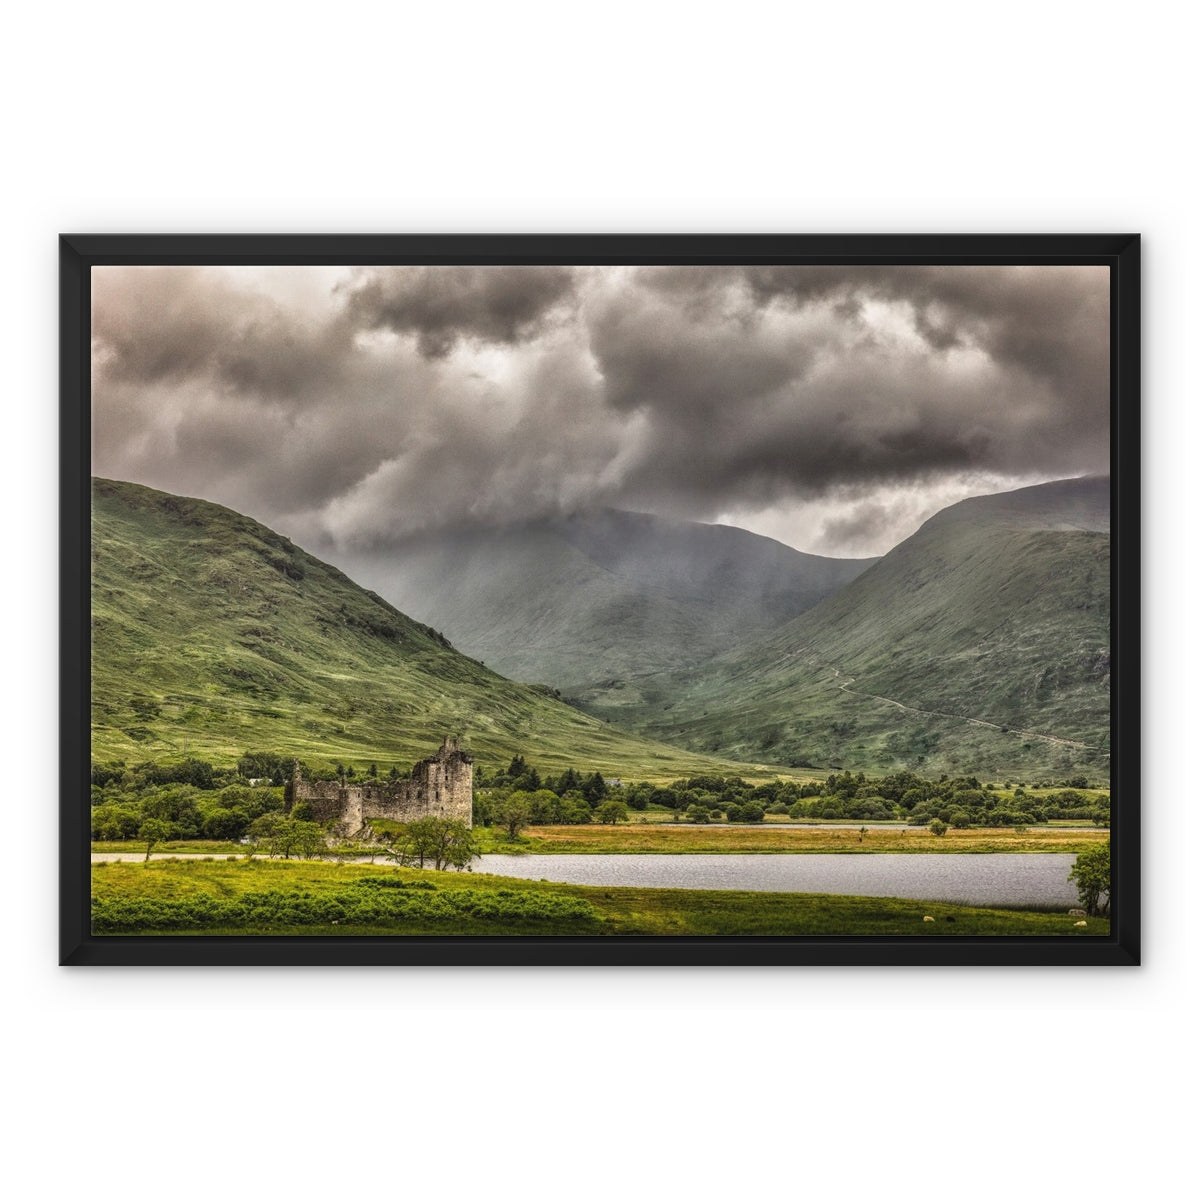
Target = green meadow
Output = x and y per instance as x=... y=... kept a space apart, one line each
x=256 y=897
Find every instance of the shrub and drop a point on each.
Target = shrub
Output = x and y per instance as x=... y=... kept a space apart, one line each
x=374 y=902
x=612 y=811
x=1091 y=875
x=938 y=828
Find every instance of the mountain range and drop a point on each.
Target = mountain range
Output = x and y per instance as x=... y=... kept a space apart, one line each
x=602 y=600
x=978 y=645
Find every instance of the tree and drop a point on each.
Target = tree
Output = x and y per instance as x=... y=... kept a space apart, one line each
x=1091 y=875
x=225 y=824
x=442 y=841
x=303 y=838
x=513 y=811
x=612 y=811
x=285 y=836
x=568 y=781
x=529 y=781
x=152 y=832
x=263 y=829
x=938 y=827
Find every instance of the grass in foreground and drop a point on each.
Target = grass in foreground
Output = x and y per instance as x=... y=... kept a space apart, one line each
x=257 y=897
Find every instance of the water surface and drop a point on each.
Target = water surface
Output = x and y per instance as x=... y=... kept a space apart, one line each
x=1002 y=879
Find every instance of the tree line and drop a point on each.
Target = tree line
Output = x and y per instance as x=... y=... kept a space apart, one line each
x=960 y=802
x=195 y=799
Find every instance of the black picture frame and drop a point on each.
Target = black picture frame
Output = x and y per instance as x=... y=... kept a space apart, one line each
x=80 y=252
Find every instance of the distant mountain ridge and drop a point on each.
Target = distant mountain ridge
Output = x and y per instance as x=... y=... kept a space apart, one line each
x=978 y=645
x=983 y=638
x=596 y=599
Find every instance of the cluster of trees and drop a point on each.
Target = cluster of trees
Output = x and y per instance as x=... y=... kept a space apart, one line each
x=963 y=801
x=521 y=796
x=221 y=814
x=195 y=799
x=574 y=798
x=192 y=800
x=439 y=842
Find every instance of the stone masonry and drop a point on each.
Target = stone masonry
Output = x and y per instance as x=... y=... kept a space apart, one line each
x=439 y=786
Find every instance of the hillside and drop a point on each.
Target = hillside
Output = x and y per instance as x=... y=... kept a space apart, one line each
x=602 y=599
x=213 y=635
x=979 y=643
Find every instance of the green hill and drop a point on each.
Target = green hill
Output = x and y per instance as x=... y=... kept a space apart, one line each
x=213 y=635
x=981 y=643
x=602 y=600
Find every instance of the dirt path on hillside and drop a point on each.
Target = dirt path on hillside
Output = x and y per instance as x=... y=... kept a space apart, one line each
x=932 y=712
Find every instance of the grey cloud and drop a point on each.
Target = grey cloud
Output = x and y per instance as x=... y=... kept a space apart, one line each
x=743 y=406
x=166 y=325
x=1051 y=321
x=443 y=305
x=860 y=526
x=689 y=391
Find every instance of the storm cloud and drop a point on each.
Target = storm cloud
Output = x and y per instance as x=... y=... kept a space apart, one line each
x=831 y=407
x=445 y=305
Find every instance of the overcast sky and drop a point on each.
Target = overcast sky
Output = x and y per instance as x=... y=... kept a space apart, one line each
x=833 y=408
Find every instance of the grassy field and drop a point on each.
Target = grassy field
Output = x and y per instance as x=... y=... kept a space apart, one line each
x=722 y=839
x=245 y=898
x=758 y=839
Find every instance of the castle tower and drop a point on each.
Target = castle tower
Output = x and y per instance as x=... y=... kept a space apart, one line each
x=291 y=791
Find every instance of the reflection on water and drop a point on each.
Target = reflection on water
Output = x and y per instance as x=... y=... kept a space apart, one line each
x=1005 y=879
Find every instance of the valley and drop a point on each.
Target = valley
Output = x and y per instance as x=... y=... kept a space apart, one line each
x=980 y=643
x=883 y=691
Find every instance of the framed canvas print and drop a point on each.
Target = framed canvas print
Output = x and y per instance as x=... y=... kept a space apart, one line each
x=600 y=599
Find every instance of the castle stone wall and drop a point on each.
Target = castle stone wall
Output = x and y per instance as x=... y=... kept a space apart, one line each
x=440 y=786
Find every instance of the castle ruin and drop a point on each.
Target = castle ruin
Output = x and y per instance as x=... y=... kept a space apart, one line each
x=439 y=786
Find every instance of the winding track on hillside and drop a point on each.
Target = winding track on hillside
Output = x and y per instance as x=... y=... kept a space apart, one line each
x=931 y=712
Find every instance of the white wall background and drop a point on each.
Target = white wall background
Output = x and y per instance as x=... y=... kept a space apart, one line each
x=615 y=117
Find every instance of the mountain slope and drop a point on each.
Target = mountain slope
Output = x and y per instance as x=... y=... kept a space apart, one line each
x=584 y=601
x=984 y=636
x=213 y=635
